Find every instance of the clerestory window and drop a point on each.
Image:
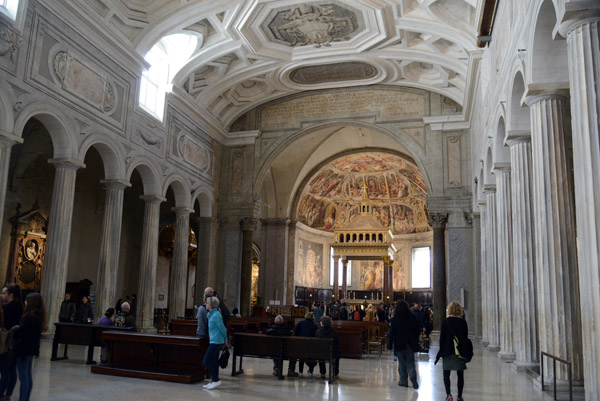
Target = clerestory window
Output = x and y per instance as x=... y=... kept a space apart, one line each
x=9 y=8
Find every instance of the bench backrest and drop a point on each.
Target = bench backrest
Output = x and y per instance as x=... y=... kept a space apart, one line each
x=283 y=346
x=258 y=344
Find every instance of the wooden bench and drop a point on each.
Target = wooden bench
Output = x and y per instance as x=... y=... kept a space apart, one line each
x=150 y=356
x=281 y=348
x=183 y=327
x=89 y=335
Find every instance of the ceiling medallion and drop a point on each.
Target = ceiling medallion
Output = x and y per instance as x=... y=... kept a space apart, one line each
x=337 y=72
x=312 y=24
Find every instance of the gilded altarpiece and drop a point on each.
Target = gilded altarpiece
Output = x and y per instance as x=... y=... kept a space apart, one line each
x=29 y=248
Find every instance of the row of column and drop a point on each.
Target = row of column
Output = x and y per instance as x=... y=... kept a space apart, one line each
x=539 y=295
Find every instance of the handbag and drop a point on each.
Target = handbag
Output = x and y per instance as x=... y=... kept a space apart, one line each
x=224 y=358
x=3 y=341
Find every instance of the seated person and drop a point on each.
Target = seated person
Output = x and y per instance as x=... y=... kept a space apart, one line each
x=305 y=328
x=125 y=318
x=326 y=331
x=106 y=320
x=278 y=329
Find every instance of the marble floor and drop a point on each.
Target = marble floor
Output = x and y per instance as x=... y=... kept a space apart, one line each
x=371 y=378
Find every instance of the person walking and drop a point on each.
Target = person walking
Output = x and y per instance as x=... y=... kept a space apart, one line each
x=217 y=338
x=12 y=309
x=28 y=334
x=403 y=338
x=453 y=325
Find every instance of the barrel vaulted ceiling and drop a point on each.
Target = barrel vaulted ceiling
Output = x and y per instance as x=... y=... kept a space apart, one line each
x=254 y=51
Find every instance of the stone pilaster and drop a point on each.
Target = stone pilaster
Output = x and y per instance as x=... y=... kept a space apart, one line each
x=179 y=266
x=438 y=222
x=583 y=43
x=206 y=275
x=485 y=309
x=336 y=280
x=505 y=265
x=525 y=307
x=108 y=258
x=148 y=261
x=7 y=140
x=248 y=225
x=56 y=263
x=344 y=278
x=492 y=272
x=273 y=260
x=554 y=217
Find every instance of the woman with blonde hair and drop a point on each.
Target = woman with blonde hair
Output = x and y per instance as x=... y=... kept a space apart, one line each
x=370 y=313
x=453 y=326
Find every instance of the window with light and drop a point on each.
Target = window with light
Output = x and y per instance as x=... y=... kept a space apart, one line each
x=340 y=272
x=9 y=8
x=166 y=58
x=421 y=267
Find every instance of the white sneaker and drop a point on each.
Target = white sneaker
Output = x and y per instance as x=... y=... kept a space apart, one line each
x=205 y=385
x=213 y=385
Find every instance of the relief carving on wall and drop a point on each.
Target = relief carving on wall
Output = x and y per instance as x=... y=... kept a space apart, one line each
x=9 y=44
x=312 y=24
x=395 y=187
x=193 y=152
x=337 y=72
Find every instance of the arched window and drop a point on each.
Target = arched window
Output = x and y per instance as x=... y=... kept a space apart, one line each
x=360 y=238
x=166 y=58
x=341 y=237
x=368 y=237
x=380 y=237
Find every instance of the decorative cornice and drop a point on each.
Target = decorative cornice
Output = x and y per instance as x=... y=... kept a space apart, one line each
x=67 y=162
x=118 y=183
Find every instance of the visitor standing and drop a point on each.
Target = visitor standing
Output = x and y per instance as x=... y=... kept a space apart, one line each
x=403 y=338
x=217 y=338
x=12 y=309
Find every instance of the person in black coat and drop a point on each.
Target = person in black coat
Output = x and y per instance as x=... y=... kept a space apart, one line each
x=453 y=325
x=27 y=341
x=305 y=328
x=278 y=329
x=326 y=331
x=12 y=309
x=85 y=314
x=403 y=338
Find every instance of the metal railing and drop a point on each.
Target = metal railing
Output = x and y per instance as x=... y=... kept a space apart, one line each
x=554 y=360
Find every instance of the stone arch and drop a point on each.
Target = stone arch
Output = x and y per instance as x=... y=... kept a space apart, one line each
x=488 y=177
x=148 y=172
x=7 y=115
x=547 y=55
x=501 y=156
x=481 y=181
x=56 y=123
x=518 y=118
x=111 y=157
x=181 y=190
x=415 y=151
x=205 y=200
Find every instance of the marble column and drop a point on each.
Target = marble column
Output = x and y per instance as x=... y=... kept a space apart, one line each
x=56 y=263
x=248 y=225
x=438 y=222
x=492 y=271
x=148 y=262
x=344 y=278
x=505 y=262
x=336 y=281
x=583 y=44
x=179 y=266
x=7 y=140
x=554 y=217
x=206 y=276
x=525 y=307
x=110 y=244
x=485 y=311
x=272 y=276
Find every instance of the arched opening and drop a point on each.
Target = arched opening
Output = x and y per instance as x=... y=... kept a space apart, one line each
x=549 y=61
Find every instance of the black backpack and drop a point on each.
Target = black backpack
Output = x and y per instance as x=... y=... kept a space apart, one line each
x=225 y=313
x=356 y=315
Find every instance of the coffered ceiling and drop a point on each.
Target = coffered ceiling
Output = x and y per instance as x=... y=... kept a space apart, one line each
x=254 y=51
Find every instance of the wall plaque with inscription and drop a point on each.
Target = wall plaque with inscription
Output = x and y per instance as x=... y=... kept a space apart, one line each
x=337 y=72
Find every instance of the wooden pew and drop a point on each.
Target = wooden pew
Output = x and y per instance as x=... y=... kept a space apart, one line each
x=183 y=327
x=281 y=348
x=89 y=335
x=150 y=356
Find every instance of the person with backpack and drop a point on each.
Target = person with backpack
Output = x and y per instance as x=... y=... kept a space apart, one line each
x=125 y=318
x=403 y=339
x=28 y=333
x=453 y=326
x=358 y=314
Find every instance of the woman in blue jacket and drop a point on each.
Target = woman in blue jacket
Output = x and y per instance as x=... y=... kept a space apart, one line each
x=217 y=337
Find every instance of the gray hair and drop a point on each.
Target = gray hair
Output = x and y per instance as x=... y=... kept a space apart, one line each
x=279 y=319
x=326 y=321
x=212 y=301
x=125 y=307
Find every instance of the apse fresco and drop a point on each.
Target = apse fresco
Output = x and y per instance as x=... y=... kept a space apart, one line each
x=398 y=271
x=309 y=264
x=371 y=274
x=395 y=187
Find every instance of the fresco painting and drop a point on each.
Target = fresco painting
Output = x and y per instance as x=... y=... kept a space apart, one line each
x=398 y=271
x=371 y=274
x=395 y=187
x=309 y=264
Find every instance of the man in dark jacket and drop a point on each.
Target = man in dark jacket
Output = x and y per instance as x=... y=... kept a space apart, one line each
x=305 y=328
x=326 y=331
x=344 y=312
x=85 y=314
x=403 y=337
x=278 y=329
x=67 y=310
x=381 y=314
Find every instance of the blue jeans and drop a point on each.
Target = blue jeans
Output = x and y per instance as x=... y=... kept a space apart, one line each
x=406 y=365
x=211 y=360
x=8 y=381
x=24 y=367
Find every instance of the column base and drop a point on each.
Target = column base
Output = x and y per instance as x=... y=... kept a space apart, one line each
x=484 y=343
x=562 y=386
x=493 y=347
x=522 y=366
x=148 y=330
x=507 y=356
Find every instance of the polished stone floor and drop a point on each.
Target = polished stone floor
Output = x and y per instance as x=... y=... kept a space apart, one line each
x=371 y=378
